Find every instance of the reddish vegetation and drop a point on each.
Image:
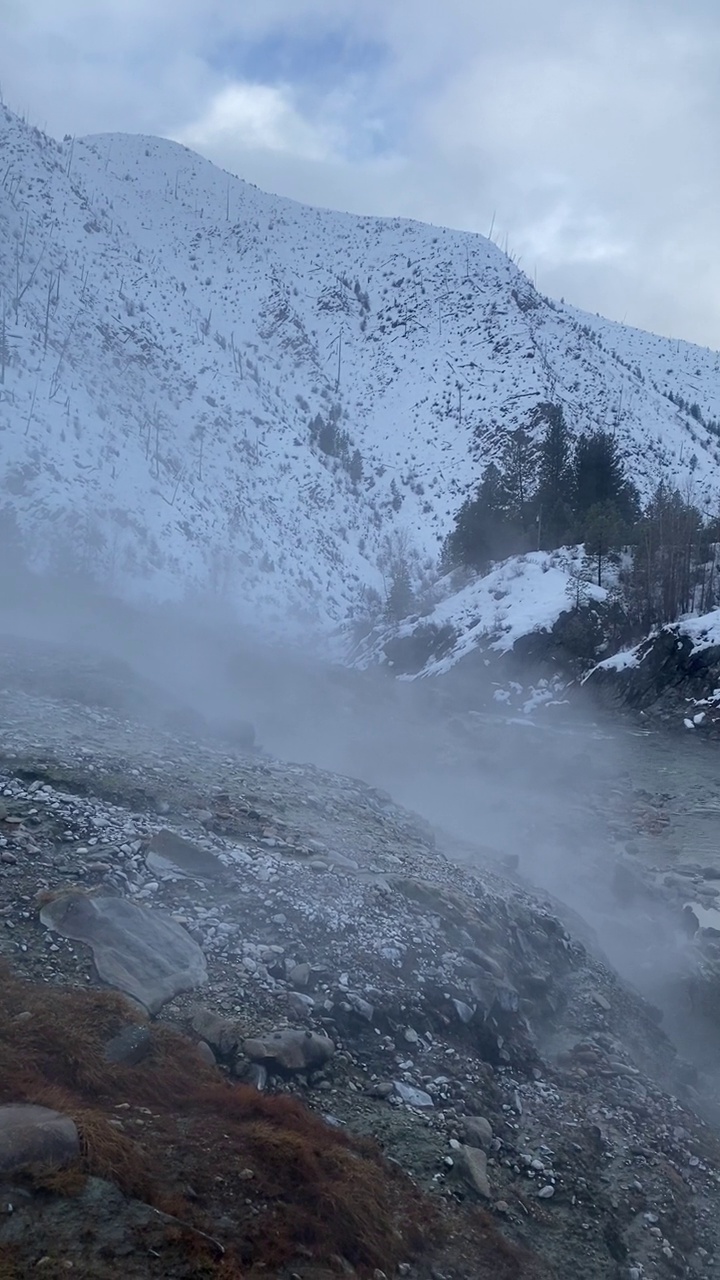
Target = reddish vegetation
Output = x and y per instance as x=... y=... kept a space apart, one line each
x=297 y=1192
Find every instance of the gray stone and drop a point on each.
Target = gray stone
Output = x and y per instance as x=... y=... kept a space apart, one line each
x=546 y=1193
x=299 y=1003
x=129 y=1047
x=299 y=975
x=339 y=860
x=205 y=1053
x=473 y=1166
x=464 y=1011
x=360 y=1006
x=412 y=1096
x=252 y=1073
x=380 y=1089
x=136 y=950
x=221 y=1033
x=477 y=1132
x=31 y=1135
x=171 y=855
x=290 y=1049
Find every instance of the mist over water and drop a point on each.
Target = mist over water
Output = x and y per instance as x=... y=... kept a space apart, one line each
x=537 y=799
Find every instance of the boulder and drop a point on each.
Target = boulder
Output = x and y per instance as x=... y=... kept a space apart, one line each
x=291 y=1049
x=35 y=1135
x=136 y=950
x=221 y=1034
x=477 y=1132
x=473 y=1167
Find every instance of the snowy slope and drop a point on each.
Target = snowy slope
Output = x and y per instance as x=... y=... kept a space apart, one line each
x=517 y=597
x=170 y=331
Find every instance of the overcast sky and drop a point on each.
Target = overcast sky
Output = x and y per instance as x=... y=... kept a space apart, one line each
x=588 y=132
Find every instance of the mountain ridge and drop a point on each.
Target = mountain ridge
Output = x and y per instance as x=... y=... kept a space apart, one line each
x=210 y=390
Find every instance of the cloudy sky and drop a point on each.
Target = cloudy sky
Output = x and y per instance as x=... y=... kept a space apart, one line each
x=586 y=134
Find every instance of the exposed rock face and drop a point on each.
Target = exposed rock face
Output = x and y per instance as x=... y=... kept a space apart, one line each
x=669 y=675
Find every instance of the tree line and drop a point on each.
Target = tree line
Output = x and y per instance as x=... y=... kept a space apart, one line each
x=547 y=490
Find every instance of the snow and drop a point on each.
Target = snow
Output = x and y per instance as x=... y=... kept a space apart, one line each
x=176 y=330
x=521 y=595
x=622 y=660
x=703 y=630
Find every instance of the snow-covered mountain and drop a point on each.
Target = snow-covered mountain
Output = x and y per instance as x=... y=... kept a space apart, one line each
x=206 y=387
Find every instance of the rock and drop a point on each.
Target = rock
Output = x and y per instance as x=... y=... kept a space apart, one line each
x=412 y=1096
x=477 y=1132
x=600 y=1001
x=362 y=1007
x=220 y=1033
x=299 y=1003
x=172 y=855
x=473 y=1166
x=464 y=1011
x=380 y=1089
x=546 y=1193
x=205 y=1053
x=136 y=950
x=291 y=1049
x=32 y=1135
x=129 y=1047
x=339 y=860
x=252 y=1073
x=299 y=975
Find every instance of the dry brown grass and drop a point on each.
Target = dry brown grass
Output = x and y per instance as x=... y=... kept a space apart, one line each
x=317 y=1189
x=188 y=1139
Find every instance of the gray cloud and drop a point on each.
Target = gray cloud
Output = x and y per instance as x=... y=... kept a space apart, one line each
x=589 y=132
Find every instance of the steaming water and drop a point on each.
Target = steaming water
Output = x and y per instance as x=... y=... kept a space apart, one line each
x=553 y=795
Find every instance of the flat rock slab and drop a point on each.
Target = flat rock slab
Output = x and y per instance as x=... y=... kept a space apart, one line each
x=172 y=855
x=135 y=949
x=31 y=1135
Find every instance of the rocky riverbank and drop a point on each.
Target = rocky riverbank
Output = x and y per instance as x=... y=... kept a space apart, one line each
x=303 y=937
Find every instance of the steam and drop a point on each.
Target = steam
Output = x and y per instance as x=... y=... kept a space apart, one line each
x=542 y=799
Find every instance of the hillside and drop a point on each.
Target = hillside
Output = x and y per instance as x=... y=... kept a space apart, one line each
x=206 y=388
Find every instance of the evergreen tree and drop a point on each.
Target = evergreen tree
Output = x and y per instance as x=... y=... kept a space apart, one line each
x=670 y=552
x=483 y=528
x=604 y=532
x=400 y=598
x=519 y=472
x=599 y=478
x=356 y=467
x=555 y=491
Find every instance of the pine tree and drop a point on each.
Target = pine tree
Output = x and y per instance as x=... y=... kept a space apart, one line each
x=356 y=467
x=604 y=533
x=599 y=478
x=483 y=530
x=519 y=472
x=400 y=598
x=555 y=492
